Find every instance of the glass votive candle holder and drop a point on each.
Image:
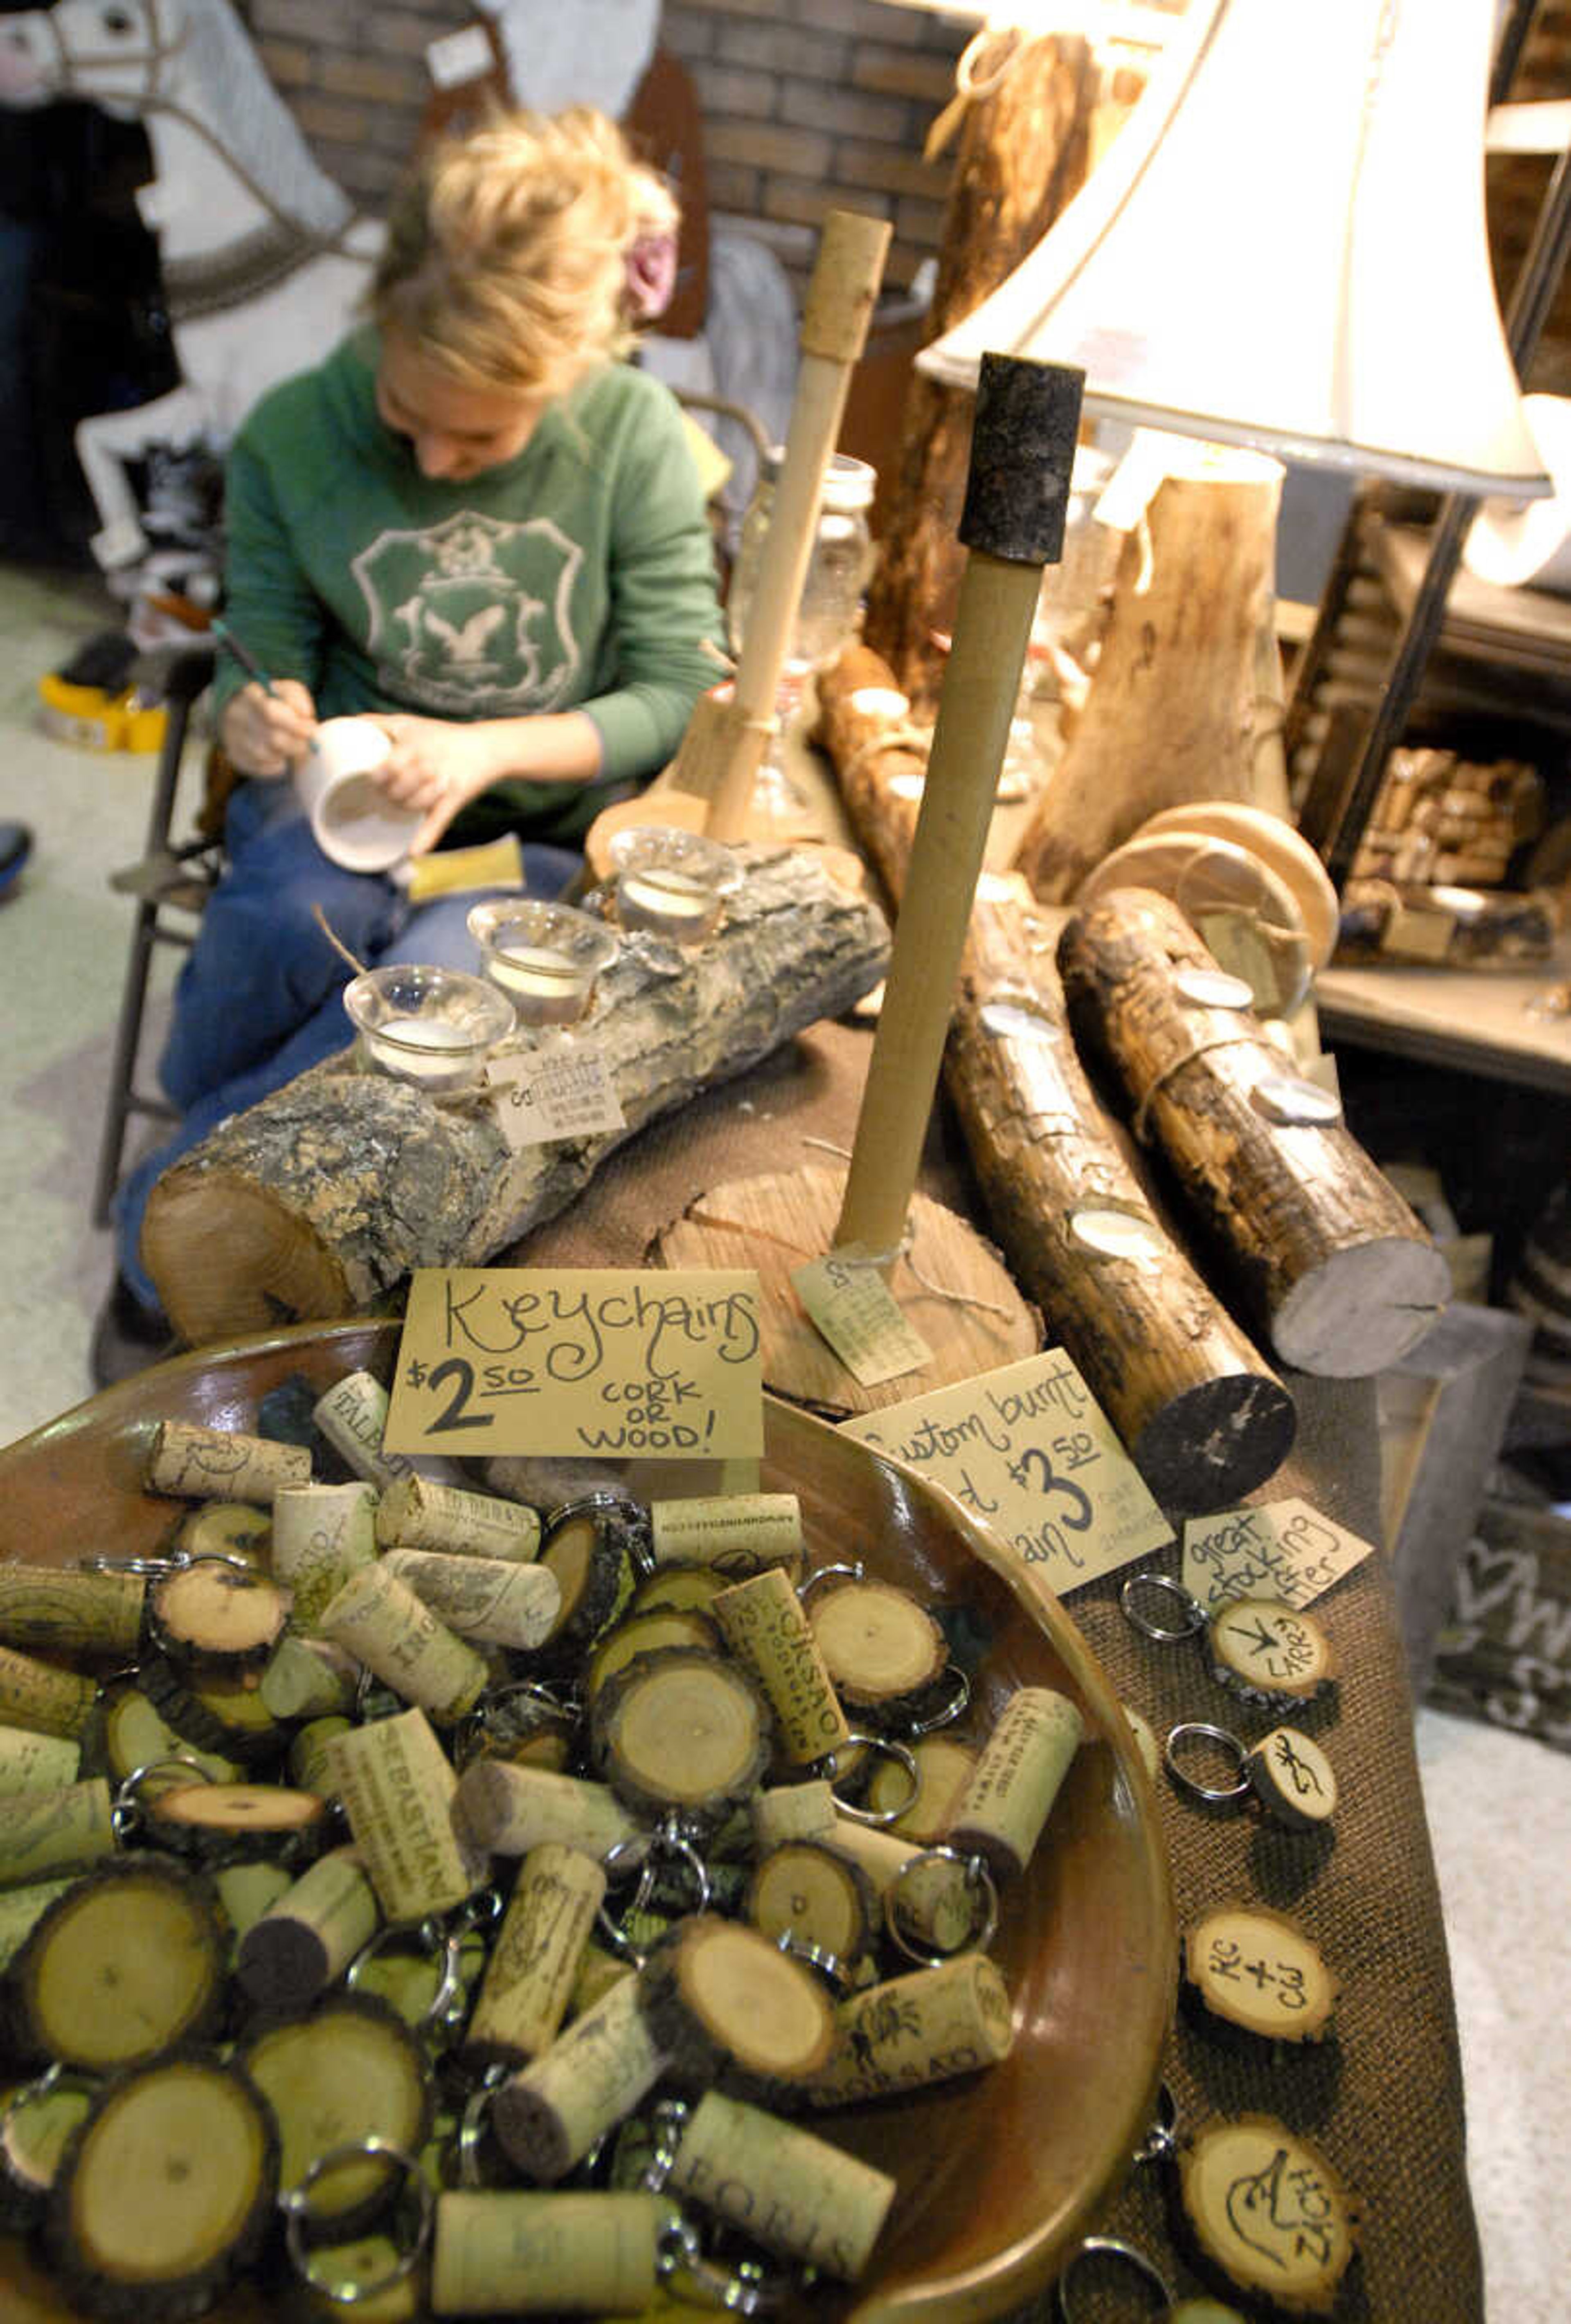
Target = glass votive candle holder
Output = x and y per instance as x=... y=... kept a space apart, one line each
x=431 y=1026
x=670 y=881
x=544 y=956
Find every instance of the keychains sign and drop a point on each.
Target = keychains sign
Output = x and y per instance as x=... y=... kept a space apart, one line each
x=1028 y=1450
x=1283 y=1549
x=648 y=1363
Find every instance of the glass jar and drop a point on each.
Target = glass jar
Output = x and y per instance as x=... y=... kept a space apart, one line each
x=838 y=564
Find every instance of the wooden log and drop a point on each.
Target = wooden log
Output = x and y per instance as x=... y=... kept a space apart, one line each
x=321 y=1200
x=1172 y=711
x=1341 y=1275
x=1203 y=1418
x=1022 y=155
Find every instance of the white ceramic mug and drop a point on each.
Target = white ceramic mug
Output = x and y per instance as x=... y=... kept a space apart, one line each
x=353 y=820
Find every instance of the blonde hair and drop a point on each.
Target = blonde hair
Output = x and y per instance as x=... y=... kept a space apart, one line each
x=506 y=251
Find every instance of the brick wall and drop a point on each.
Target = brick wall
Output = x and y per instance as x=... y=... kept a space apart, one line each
x=808 y=105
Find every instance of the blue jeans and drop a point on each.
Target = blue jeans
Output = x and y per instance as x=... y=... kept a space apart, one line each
x=259 y=998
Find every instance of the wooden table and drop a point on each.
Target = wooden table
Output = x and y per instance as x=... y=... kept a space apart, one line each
x=1474 y=1020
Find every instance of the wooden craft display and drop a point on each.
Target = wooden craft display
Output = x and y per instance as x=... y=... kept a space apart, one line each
x=1341 y=1275
x=321 y=1199
x=1204 y=1418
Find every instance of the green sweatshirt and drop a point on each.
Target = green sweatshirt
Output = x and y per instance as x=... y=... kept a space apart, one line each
x=579 y=575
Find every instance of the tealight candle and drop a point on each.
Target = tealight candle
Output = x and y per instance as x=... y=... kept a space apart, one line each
x=419 y=1048
x=431 y=1026
x=670 y=881
x=546 y=957
x=547 y=989
x=670 y=903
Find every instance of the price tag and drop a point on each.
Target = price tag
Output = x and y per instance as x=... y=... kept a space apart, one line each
x=554 y=1093
x=1030 y=1451
x=852 y=1307
x=623 y=1362
x=1283 y=1549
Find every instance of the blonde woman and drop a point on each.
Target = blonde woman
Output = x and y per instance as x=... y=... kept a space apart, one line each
x=477 y=523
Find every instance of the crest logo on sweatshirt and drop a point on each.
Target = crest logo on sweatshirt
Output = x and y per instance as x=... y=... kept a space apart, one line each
x=472 y=615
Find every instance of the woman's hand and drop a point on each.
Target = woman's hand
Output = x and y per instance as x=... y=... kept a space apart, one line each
x=437 y=765
x=265 y=734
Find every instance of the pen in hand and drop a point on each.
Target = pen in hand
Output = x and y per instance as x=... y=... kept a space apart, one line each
x=244 y=656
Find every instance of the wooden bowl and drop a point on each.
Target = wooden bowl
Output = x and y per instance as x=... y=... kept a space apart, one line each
x=1001 y=2173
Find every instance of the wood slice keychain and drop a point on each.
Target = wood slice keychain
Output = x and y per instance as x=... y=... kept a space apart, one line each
x=1271 y=1655
x=1286 y=1771
x=883 y=1650
x=590 y=1548
x=349 y=2070
x=36 y=2124
x=681 y=1729
x=127 y=1962
x=166 y=2193
x=215 y=1617
x=210 y=1821
x=1259 y=1969
x=678 y=1588
x=717 y=1991
x=815 y=1898
x=1268 y=2209
x=639 y=1634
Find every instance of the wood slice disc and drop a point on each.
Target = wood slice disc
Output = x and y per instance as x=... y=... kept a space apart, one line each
x=717 y=1989
x=806 y=1890
x=775 y=1223
x=35 y=2128
x=166 y=2193
x=209 y=1818
x=223 y=1616
x=226 y=1529
x=128 y=1962
x=137 y=1735
x=585 y=1549
x=643 y=1634
x=1292 y=1778
x=1259 y=1969
x=1268 y=2209
x=1278 y=846
x=944 y=1768
x=679 y=1589
x=349 y=2069
x=681 y=1728
x=879 y=1646
x=1270 y=1653
x=228 y=1716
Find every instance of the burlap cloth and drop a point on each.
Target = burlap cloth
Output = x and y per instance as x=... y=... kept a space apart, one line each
x=1382 y=2096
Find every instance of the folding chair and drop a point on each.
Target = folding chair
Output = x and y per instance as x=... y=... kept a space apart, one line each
x=172 y=883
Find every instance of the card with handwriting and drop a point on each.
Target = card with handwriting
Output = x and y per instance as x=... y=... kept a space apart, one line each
x=566 y=1093
x=624 y=1362
x=1030 y=1451
x=1283 y=1549
x=854 y=1310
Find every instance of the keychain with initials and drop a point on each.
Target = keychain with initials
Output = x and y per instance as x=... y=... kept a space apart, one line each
x=1257 y=1968
x=1286 y=1771
x=1269 y=1653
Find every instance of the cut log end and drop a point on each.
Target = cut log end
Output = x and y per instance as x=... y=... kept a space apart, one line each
x=1363 y=1308
x=229 y=1257
x=1207 y=1447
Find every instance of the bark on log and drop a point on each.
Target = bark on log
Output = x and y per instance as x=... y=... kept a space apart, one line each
x=1173 y=710
x=1204 y=1420
x=1341 y=1275
x=321 y=1200
x=1024 y=152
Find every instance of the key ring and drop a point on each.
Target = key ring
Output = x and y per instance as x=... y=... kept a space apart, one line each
x=1269 y=1653
x=1110 y=2247
x=946 y=1713
x=854 y=1571
x=645 y=1850
x=436 y=1941
x=1161 y=2143
x=984 y=1891
x=829 y=1965
x=470 y=1735
x=471 y=2132
x=745 y=2289
x=1286 y=1770
x=881 y=1746
x=126 y=1813
x=294 y=2202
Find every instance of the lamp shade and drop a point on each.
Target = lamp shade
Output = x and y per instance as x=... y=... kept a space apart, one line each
x=1285 y=247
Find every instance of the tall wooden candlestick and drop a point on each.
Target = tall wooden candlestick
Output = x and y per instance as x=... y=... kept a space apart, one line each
x=1023 y=451
x=834 y=320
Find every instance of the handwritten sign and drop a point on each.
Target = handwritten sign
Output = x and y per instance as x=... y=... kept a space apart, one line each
x=565 y=1092
x=1283 y=1549
x=853 y=1309
x=620 y=1362
x=1030 y=1451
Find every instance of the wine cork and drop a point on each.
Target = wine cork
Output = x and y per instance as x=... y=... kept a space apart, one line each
x=910 y=2031
x=246 y=1890
x=398 y=1789
x=550 y=2115
x=311 y=1766
x=43 y=1834
x=226 y=1529
x=216 y=1465
x=63 y=1612
x=352 y=1417
x=791 y=1811
x=414 y=1513
x=309 y=1936
x=378 y=1617
x=768 y=1632
x=36 y=1762
x=740 y=1533
x=935 y=1897
x=41 y=1697
x=510 y=1809
x=534 y=1959
x=1000 y=1813
x=480 y=1597
x=322 y=1534
x=599 y=1969
x=521 y=2254
x=309 y=1678
x=20 y=1910
x=791 y=2191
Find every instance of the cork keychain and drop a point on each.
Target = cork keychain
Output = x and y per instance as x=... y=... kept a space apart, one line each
x=1269 y=1654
